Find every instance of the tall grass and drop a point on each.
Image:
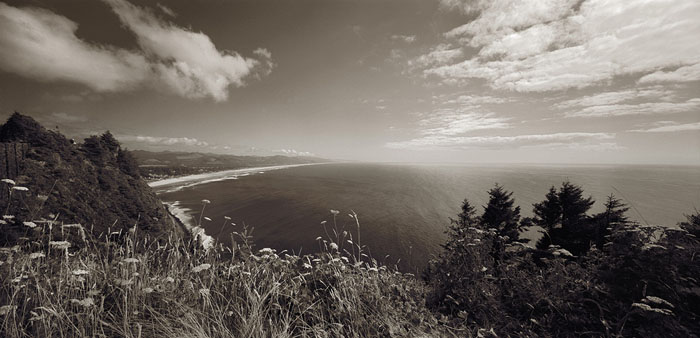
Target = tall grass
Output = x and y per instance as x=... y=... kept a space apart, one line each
x=136 y=286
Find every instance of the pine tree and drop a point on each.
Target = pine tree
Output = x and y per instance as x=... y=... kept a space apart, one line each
x=573 y=205
x=612 y=217
x=500 y=214
x=548 y=212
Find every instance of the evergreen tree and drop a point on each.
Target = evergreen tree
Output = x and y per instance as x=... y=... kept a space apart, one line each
x=612 y=217
x=548 y=212
x=500 y=214
x=573 y=205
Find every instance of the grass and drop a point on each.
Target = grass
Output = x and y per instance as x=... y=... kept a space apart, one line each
x=139 y=287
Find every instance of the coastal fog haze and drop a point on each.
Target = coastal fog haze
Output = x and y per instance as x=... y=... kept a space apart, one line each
x=350 y=168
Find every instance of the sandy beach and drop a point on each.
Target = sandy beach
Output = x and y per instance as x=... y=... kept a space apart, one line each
x=177 y=183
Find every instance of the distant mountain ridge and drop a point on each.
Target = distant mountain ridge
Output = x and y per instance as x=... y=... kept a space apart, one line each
x=95 y=183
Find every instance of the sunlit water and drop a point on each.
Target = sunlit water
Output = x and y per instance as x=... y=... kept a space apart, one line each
x=404 y=209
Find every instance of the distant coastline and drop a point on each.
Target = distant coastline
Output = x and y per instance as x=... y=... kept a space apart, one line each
x=190 y=180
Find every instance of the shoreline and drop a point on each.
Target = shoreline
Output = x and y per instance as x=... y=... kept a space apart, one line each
x=182 y=215
x=181 y=182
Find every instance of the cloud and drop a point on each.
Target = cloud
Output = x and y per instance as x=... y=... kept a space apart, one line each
x=292 y=152
x=557 y=140
x=612 y=97
x=188 y=62
x=450 y=122
x=438 y=55
x=537 y=46
x=668 y=127
x=169 y=12
x=163 y=141
x=681 y=74
x=404 y=38
x=647 y=108
x=39 y=44
x=42 y=45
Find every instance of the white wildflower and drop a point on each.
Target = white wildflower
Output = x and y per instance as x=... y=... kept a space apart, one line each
x=207 y=219
x=206 y=202
x=8 y=216
x=266 y=251
x=484 y=269
x=333 y=246
x=79 y=272
x=87 y=302
x=7 y=309
x=29 y=224
x=8 y=181
x=18 y=188
x=201 y=267
x=59 y=244
x=324 y=222
x=334 y=212
x=227 y=218
x=319 y=238
x=35 y=255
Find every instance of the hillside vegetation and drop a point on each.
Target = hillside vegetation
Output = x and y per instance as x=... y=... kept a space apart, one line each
x=65 y=273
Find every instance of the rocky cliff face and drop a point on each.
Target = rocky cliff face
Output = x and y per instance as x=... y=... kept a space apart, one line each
x=95 y=183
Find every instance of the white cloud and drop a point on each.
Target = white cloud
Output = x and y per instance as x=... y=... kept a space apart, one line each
x=166 y=10
x=568 y=140
x=647 y=108
x=39 y=44
x=189 y=63
x=450 y=122
x=42 y=45
x=669 y=126
x=163 y=141
x=560 y=44
x=438 y=55
x=681 y=74
x=612 y=97
x=404 y=38
x=293 y=152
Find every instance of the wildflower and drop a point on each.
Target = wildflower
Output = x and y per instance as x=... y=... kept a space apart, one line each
x=324 y=222
x=8 y=216
x=8 y=181
x=227 y=218
x=206 y=202
x=80 y=272
x=267 y=251
x=30 y=224
x=87 y=302
x=207 y=219
x=319 y=238
x=59 y=244
x=7 y=309
x=18 y=188
x=130 y=260
x=483 y=269
x=334 y=212
x=333 y=246
x=35 y=255
x=201 y=267
x=2 y=221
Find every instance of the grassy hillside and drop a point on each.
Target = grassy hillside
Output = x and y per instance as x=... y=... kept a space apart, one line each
x=95 y=183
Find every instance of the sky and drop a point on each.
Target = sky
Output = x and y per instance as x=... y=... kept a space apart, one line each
x=482 y=81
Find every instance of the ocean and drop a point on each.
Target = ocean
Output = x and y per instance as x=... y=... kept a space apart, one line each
x=404 y=209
